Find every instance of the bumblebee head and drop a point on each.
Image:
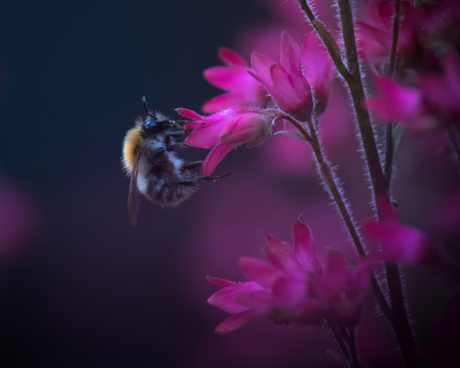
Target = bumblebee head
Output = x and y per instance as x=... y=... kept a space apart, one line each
x=155 y=124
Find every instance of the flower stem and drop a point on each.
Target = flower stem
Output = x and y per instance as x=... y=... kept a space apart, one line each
x=389 y=152
x=450 y=132
x=338 y=337
x=351 y=342
x=327 y=39
x=330 y=181
x=400 y=320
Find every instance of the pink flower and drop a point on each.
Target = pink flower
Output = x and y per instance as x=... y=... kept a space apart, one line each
x=292 y=287
x=342 y=290
x=443 y=92
x=375 y=35
x=244 y=89
x=225 y=130
x=285 y=81
x=319 y=70
x=279 y=289
x=402 y=244
x=400 y=104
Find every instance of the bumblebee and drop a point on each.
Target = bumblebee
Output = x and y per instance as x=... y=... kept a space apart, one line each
x=150 y=159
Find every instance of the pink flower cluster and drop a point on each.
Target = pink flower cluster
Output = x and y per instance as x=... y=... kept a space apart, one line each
x=432 y=104
x=293 y=287
x=242 y=115
x=427 y=65
x=401 y=244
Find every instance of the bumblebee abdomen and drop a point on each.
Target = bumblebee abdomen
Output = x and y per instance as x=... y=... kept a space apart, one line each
x=131 y=142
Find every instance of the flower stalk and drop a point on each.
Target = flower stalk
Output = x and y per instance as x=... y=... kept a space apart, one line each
x=400 y=320
x=389 y=152
x=380 y=182
x=330 y=181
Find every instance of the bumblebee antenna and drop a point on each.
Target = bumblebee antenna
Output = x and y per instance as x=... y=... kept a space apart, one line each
x=147 y=109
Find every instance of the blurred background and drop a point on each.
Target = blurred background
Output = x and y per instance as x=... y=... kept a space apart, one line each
x=81 y=287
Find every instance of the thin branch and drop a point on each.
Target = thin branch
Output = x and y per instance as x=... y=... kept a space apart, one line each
x=352 y=347
x=338 y=338
x=312 y=138
x=452 y=138
x=357 y=92
x=389 y=152
x=327 y=39
x=400 y=320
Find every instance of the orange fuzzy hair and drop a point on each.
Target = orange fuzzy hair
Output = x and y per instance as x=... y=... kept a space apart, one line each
x=132 y=140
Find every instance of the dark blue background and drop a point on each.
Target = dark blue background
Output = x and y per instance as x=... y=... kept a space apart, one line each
x=96 y=292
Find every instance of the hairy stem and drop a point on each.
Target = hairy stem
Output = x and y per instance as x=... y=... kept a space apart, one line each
x=357 y=93
x=333 y=326
x=389 y=152
x=312 y=138
x=351 y=342
x=450 y=132
x=400 y=320
x=327 y=39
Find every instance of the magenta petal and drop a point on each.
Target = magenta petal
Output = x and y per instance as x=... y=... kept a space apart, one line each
x=386 y=209
x=205 y=135
x=256 y=300
x=262 y=65
x=189 y=114
x=258 y=270
x=221 y=77
x=223 y=102
x=242 y=129
x=226 y=299
x=319 y=67
x=221 y=282
x=290 y=56
x=275 y=244
x=216 y=155
x=402 y=244
x=234 y=322
x=361 y=276
x=336 y=268
x=279 y=254
x=232 y=59
x=289 y=290
x=304 y=247
x=397 y=103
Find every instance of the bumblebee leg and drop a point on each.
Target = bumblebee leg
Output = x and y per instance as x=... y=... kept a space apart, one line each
x=176 y=146
x=200 y=180
x=156 y=152
x=177 y=133
x=191 y=165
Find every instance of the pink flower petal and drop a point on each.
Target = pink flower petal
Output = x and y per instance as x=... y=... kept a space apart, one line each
x=258 y=270
x=402 y=244
x=386 y=209
x=262 y=65
x=232 y=59
x=234 y=322
x=319 y=67
x=290 y=58
x=226 y=299
x=189 y=114
x=216 y=155
x=256 y=300
x=221 y=282
x=224 y=102
x=397 y=103
x=221 y=77
x=304 y=247
x=242 y=129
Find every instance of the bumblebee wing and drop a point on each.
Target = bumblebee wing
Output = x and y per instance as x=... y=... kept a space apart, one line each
x=134 y=199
